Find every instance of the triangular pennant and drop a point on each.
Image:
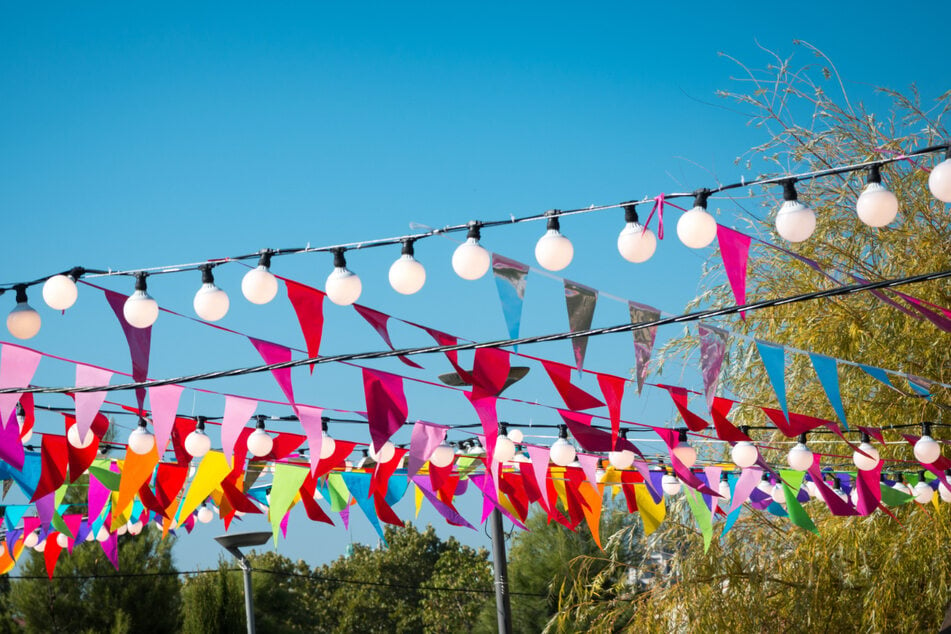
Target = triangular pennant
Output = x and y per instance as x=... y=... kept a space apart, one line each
x=17 y=367
x=423 y=441
x=386 y=405
x=238 y=411
x=139 y=340
x=311 y=419
x=774 y=360
x=643 y=339
x=580 y=301
x=163 y=399
x=574 y=397
x=735 y=251
x=88 y=403
x=284 y=488
x=378 y=321
x=308 y=303
x=712 y=350
x=679 y=396
x=54 y=453
x=273 y=353
x=827 y=370
x=510 y=280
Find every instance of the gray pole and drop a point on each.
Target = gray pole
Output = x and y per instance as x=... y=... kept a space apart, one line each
x=502 y=607
x=248 y=594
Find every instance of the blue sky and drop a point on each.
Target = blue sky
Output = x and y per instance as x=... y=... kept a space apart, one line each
x=136 y=136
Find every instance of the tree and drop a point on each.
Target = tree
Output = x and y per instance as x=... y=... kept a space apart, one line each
x=859 y=574
x=89 y=595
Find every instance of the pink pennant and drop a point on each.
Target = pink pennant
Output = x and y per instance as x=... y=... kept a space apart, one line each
x=671 y=438
x=88 y=403
x=163 y=399
x=424 y=440
x=713 y=475
x=17 y=367
x=575 y=398
x=276 y=353
x=386 y=404
x=735 y=251
x=589 y=464
x=747 y=481
x=309 y=305
x=238 y=411
x=612 y=388
x=539 y=458
x=311 y=419
x=378 y=321
x=73 y=521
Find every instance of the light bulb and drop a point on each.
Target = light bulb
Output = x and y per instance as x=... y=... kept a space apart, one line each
x=31 y=540
x=23 y=322
x=670 y=485
x=516 y=436
x=922 y=491
x=62 y=541
x=800 y=456
x=944 y=491
x=140 y=310
x=205 y=515
x=471 y=260
x=327 y=447
x=854 y=496
x=795 y=222
x=197 y=443
x=724 y=491
x=260 y=442
x=778 y=494
x=407 y=275
x=25 y=438
x=40 y=546
x=60 y=292
x=765 y=485
x=210 y=303
x=443 y=455
x=866 y=462
x=135 y=527
x=927 y=450
x=141 y=439
x=811 y=489
x=343 y=285
x=939 y=181
x=72 y=435
x=102 y=534
x=562 y=452
x=635 y=243
x=686 y=454
x=902 y=487
x=622 y=459
x=697 y=228
x=553 y=250
x=876 y=206
x=259 y=285
x=385 y=454
x=744 y=454
x=504 y=449
x=122 y=530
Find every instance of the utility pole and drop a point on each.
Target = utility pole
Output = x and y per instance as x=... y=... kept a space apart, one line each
x=503 y=608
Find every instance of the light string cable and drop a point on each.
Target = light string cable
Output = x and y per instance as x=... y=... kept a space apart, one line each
x=502 y=343
x=78 y=271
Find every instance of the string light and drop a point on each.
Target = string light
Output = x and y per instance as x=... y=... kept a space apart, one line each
x=516 y=435
x=384 y=454
x=327 y=444
x=635 y=243
x=724 y=489
x=343 y=285
x=927 y=450
x=260 y=442
x=939 y=181
x=210 y=303
x=744 y=453
x=876 y=206
x=795 y=221
x=943 y=490
x=141 y=440
x=562 y=452
x=504 y=447
x=72 y=436
x=197 y=443
x=697 y=228
x=922 y=490
x=623 y=458
x=407 y=276
x=259 y=285
x=866 y=457
x=140 y=310
x=553 y=250
x=670 y=484
x=443 y=455
x=778 y=494
x=60 y=292
x=23 y=322
x=800 y=457
x=471 y=260
x=686 y=454
x=205 y=514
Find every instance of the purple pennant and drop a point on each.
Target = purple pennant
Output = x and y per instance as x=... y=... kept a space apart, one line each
x=45 y=507
x=17 y=367
x=589 y=464
x=423 y=441
x=580 y=301
x=654 y=488
x=643 y=339
x=450 y=514
x=378 y=321
x=745 y=485
x=671 y=438
x=487 y=486
x=712 y=351
x=139 y=340
x=11 y=448
x=111 y=548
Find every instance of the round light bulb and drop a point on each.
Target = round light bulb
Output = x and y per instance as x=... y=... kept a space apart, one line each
x=122 y=530
x=259 y=285
x=385 y=454
x=724 y=491
x=636 y=243
x=470 y=260
x=102 y=534
x=697 y=228
x=327 y=447
x=211 y=303
x=903 y=488
x=60 y=292
x=135 y=527
x=31 y=540
x=923 y=492
x=670 y=484
x=443 y=455
x=554 y=251
x=504 y=449
x=876 y=206
x=62 y=541
x=23 y=322
x=562 y=452
x=260 y=443
x=72 y=436
x=197 y=443
x=799 y=457
x=141 y=440
x=40 y=546
x=944 y=492
x=25 y=438
x=866 y=462
x=927 y=450
x=205 y=515
x=407 y=275
x=778 y=494
x=343 y=286
x=744 y=454
x=765 y=486
x=795 y=222
x=90 y=536
x=854 y=496
x=939 y=181
x=621 y=459
x=686 y=454
x=811 y=489
x=140 y=310
x=516 y=436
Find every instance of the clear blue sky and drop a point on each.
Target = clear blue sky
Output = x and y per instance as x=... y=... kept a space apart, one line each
x=136 y=136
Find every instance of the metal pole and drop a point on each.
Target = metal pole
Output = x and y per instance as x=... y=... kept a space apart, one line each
x=502 y=607
x=248 y=594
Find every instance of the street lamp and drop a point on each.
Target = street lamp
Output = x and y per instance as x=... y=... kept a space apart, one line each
x=233 y=543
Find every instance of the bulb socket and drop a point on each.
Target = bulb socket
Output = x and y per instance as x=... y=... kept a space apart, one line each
x=265 y=259
x=789 y=190
x=874 y=174
x=630 y=213
x=563 y=431
x=21 y=293
x=553 y=222
x=926 y=428
x=340 y=262
x=802 y=438
x=682 y=435
x=200 y=423
x=407 y=248
x=207 y=277
x=323 y=423
x=140 y=284
x=142 y=423
x=700 y=198
x=261 y=418
x=76 y=272
x=503 y=429
x=475 y=230
x=866 y=437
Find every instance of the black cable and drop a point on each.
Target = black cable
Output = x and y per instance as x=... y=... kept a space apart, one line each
x=592 y=332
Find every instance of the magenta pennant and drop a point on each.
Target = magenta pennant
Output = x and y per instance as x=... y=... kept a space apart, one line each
x=450 y=514
x=671 y=438
x=424 y=440
x=490 y=372
x=574 y=397
x=238 y=411
x=163 y=399
x=386 y=405
x=580 y=301
x=17 y=367
x=837 y=506
x=111 y=548
x=139 y=340
x=311 y=419
x=276 y=353
x=735 y=251
x=88 y=403
x=612 y=387
x=97 y=496
x=443 y=339
x=539 y=458
x=870 y=490
x=11 y=447
x=485 y=408
x=487 y=486
x=643 y=339
x=712 y=351
x=378 y=321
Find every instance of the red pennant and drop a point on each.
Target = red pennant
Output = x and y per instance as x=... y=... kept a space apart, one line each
x=309 y=305
x=385 y=512
x=51 y=553
x=575 y=398
x=307 y=497
x=443 y=339
x=380 y=480
x=342 y=449
x=490 y=371
x=54 y=458
x=511 y=484
x=679 y=396
x=169 y=481
x=529 y=483
x=378 y=321
x=284 y=444
x=238 y=500
x=29 y=416
x=82 y=459
x=149 y=501
x=180 y=431
x=612 y=387
x=593 y=439
x=798 y=423
x=386 y=404
x=725 y=429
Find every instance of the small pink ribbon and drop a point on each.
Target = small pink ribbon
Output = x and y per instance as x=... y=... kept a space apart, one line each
x=659 y=208
x=902 y=157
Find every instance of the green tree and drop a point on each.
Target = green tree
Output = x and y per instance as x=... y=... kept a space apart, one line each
x=212 y=601
x=860 y=574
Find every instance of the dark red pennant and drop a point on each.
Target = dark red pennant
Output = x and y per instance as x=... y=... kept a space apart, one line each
x=54 y=458
x=342 y=449
x=380 y=480
x=679 y=396
x=308 y=303
x=378 y=321
x=574 y=397
x=314 y=512
x=180 y=431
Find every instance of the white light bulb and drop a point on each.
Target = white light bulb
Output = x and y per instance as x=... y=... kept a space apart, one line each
x=553 y=250
x=927 y=450
x=795 y=222
x=697 y=228
x=90 y=536
x=72 y=436
x=903 y=488
x=31 y=540
x=141 y=440
x=343 y=285
x=799 y=457
x=744 y=454
x=876 y=206
x=211 y=303
x=205 y=515
x=621 y=459
x=724 y=491
x=765 y=486
x=197 y=443
x=102 y=534
x=135 y=527
x=811 y=489
x=40 y=546
x=944 y=491
x=327 y=447
x=922 y=492
x=259 y=285
x=385 y=454
x=866 y=462
x=122 y=530
x=407 y=275
x=62 y=541
x=504 y=449
x=854 y=496
x=23 y=322
x=562 y=452
x=686 y=454
x=470 y=260
x=670 y=485
x=260 y=443
x=778 y=494
x=939 y=181
x=636 y=243
x=140 y=310
x=516 y=436
x=443 y=455
x=60 y=292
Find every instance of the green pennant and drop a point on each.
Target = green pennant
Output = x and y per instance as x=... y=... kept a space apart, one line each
x=466 y=465
x=107 y=478
x=702 y=514
x=60 y=525
x=797 y=514
x=892 y=497
x=338 y=492
x=284 y=487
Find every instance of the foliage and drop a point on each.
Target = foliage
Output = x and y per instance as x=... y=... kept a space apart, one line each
x=89 y=595
x=213 y=602
x=861 y=574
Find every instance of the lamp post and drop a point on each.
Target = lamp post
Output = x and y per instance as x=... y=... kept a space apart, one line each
x=233 y=543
